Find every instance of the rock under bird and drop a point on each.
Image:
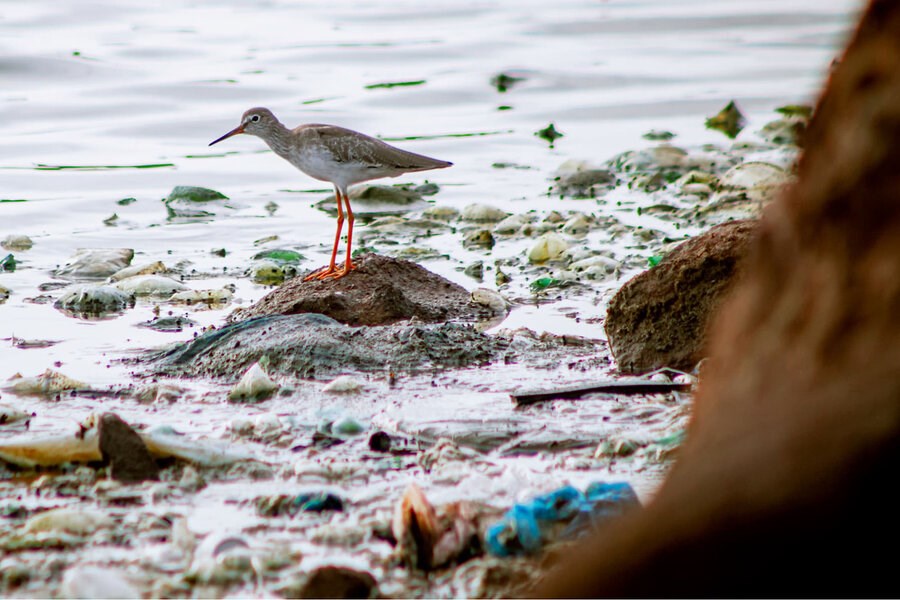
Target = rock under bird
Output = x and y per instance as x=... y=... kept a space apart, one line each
x=340 y=156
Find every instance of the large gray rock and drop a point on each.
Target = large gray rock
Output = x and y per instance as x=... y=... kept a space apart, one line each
x=660 y=317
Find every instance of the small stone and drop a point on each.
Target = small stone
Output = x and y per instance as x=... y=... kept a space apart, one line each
x=267 y=272
x=729 y=120
x=96 y=582
x=577 y=225
x=337 y=582
x=5 y=293
x=46 y=385
x=255 y=385
x=191 y=193
x=441 y=213
x=125 y=451
x=345 y=384
x=697 y=189
x=208 y=297
x=490 y=299
x=482 y=213
x=168 y=324
x=482 y=238
x=579 y=179
x=608 y=265
x=153 y=268
x=549 y=246
x=94 y=301
x=758 y=180
x=150 y=285
x=17 y=243
x=510 y=225
x=475 y=270
x=95 y=263
x=347 y=426
x=69 y=520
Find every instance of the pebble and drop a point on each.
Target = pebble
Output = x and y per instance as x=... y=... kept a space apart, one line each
x=441 y=213
x=95 y=263
x=220 y=296
x=94 y=300
x=124 y=450
x=153 y=268
x=481 y=213
x=150 y=285
x=11 y=414
x=510 y=224
x=255 y=385
x=578 y=224
x=17 y=243
x=549 y=246
x=347 y=426
x=697 y=189
x=70 y=520
x=345 y=384
x=759 y=180
x=482 y=238
x=47 y=384
x=5 y=293
x=84 y=581
x=475 y=270
x=491 y=299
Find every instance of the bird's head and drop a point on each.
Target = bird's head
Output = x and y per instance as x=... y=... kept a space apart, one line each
x=256 y=121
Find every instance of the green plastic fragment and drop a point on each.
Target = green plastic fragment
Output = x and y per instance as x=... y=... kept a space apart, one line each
x=654 y=260
x=8 y=263
x=543 y=283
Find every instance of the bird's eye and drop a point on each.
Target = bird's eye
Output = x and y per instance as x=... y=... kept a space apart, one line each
x=255 y=118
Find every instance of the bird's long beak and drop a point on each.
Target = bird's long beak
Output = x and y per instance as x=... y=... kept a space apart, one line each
x=235 y=131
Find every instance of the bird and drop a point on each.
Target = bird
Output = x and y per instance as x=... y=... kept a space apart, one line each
x=340 y=156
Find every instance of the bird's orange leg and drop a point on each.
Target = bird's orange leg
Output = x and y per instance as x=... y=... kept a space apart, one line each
x=348 y=264
x=330 y=269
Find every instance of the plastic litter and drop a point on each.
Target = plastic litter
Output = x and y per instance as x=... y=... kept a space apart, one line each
x=565 y=513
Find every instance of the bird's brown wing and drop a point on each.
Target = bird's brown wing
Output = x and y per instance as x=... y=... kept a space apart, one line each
x=349 y=146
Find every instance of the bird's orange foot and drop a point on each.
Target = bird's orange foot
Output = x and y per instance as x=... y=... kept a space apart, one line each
x=338 y=273
x=321 y=273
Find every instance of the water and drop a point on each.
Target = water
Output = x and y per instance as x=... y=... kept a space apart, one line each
x=125 y=97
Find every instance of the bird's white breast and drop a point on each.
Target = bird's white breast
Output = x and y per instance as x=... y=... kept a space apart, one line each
x=318 y=163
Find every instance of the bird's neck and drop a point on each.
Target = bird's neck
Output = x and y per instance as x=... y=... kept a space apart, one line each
x=278 y=139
